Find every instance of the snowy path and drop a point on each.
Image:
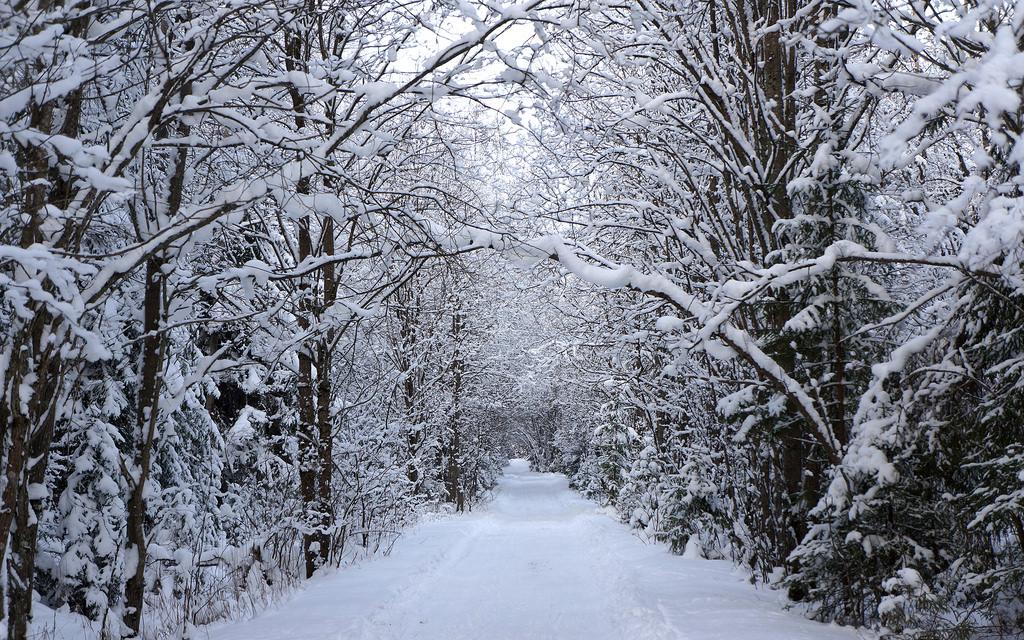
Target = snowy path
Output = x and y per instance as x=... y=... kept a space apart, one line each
x=538 y=563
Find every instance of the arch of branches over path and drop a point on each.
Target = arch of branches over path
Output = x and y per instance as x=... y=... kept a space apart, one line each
x=812 y=197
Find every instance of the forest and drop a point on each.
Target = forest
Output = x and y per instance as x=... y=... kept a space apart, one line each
x=280 y=278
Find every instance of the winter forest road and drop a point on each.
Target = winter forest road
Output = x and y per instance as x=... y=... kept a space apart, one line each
x=538 y=562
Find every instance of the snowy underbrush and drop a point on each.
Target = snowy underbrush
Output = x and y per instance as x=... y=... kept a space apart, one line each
x=193 y=582
x=190 y=590
x=239 y=583
x=188 y=583
x=223 y=584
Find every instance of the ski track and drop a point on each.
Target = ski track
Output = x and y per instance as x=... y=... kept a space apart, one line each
x=538 y=563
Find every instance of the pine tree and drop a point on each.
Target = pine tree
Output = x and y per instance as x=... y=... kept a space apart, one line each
x=93 y=518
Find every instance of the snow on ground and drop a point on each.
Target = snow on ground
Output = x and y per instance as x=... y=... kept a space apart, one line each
x=539 y=562
x=56 y=624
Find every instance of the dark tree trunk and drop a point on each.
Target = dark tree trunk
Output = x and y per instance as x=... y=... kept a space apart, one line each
x=30 y=427
x=407 y=344
x=453 y=470
x=307 y=432
x=146 y=421
x=325 y=424
x=29 y=504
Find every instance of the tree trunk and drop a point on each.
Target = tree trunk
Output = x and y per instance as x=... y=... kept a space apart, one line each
x=26 y=421
x=146 y=421
x=407 y=316
x=325 y=430
x=453 y=471
x=29 y=502
x=151 y=366
x=307 y=433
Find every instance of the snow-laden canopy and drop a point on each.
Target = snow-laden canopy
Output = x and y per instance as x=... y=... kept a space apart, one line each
x=278 y=277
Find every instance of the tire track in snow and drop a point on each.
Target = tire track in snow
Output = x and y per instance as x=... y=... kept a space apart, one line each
x=636 y=619
x=381 y=622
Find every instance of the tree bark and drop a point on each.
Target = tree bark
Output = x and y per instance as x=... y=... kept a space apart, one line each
x=325 y=423
x=146 y=421
x=307 y=433
x=453 y=470
x=27 y=421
